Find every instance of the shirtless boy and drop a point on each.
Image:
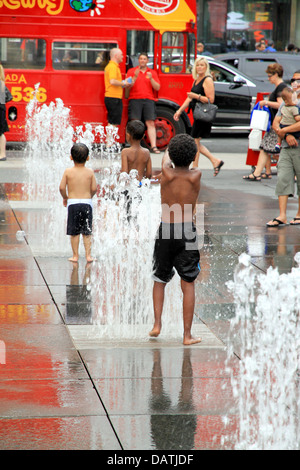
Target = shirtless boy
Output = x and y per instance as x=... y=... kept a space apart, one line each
x=176 y=242
x=136 y=157
x=77 y=187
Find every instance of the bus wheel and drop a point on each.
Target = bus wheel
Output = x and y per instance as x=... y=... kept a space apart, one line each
x=166 y=127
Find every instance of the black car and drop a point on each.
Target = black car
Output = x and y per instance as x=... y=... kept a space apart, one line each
x=235 y=96
x=254 y=64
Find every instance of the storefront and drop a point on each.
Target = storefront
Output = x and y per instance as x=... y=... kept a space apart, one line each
x=239 y=24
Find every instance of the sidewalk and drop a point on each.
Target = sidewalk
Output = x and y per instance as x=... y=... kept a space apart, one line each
x=64 y=388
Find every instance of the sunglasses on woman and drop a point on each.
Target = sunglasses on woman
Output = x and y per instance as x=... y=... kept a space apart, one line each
x=295 y=80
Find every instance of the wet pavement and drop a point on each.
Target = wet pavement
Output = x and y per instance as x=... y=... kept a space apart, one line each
x=62 y=388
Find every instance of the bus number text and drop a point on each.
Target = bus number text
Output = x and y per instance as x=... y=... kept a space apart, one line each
x=27 y=93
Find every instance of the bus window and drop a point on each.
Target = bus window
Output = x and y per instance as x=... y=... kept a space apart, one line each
x=137 y=42
x=18 y=53
x=81 y=56
x=176 y=56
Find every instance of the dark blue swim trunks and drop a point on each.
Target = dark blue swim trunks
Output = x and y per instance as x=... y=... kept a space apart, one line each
x=80 y=219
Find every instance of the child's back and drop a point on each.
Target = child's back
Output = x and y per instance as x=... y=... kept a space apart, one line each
x=80 y=182
x=179 y=191
x=180 y=185
x=136 y=157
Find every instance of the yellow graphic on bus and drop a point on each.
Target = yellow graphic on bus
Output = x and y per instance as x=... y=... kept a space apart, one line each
x=52 y=7
x=165 y=15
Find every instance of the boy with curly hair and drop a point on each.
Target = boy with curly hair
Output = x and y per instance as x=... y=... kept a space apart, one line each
x=176 y=242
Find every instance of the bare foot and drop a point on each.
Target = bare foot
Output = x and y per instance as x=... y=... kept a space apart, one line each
x=89 y=259
x=74 y=259
x=154 y=332
x=191 y=340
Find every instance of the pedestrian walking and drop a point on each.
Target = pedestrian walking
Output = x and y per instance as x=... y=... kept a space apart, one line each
x=203 y=90
x=269 y=142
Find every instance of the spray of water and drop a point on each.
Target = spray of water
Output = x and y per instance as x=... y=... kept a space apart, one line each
x=126 y=221
x=126 y=217
x=266 y=329
x=50 y=137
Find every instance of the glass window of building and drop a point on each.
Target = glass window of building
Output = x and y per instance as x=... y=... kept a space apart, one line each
x=231 y=25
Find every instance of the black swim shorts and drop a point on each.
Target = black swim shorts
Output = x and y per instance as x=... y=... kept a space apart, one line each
x=176 y=246
x=114 y=108
x=80 y=219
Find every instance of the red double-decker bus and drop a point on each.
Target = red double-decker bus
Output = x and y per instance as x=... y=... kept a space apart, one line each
x=63 y=47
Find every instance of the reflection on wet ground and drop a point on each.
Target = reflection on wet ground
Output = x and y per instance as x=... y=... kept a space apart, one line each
x=59 y=391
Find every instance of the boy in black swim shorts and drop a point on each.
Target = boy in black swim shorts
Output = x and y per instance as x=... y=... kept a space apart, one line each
x=176 y=244
x=77 y=187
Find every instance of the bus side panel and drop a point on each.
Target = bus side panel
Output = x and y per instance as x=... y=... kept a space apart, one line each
x=81 y=91
x=84 y=97
x=22 y=86
x=175 y=87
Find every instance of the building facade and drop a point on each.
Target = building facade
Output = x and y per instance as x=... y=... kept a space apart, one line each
x=239 y=24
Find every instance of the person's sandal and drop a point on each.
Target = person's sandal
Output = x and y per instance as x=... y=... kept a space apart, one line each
x=218 y=168
x=154 y=150
x=266 y=176
x=252 y=177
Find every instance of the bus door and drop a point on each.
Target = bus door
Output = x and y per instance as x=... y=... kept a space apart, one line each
x=172 y=55
x=177 y=56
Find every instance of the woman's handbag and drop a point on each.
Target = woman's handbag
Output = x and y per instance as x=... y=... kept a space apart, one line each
x=8 y=95
x=205 y=111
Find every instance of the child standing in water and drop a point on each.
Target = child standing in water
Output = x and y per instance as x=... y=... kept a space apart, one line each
x=77 y=187
x=136 y=157
x=176 y=243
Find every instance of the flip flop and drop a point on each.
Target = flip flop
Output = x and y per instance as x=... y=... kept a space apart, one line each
x=279 y=222
x=218 y=168
x=293 y=223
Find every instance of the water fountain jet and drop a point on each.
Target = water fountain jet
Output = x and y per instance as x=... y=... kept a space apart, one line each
x=266 y=330
x=120 y=281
